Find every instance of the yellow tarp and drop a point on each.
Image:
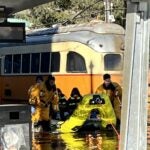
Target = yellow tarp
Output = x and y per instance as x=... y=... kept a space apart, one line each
x=83 y=110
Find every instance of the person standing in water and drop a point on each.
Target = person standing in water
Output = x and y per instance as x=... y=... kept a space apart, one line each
x=114 y=91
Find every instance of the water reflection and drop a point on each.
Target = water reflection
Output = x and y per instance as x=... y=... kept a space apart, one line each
x=76 y=141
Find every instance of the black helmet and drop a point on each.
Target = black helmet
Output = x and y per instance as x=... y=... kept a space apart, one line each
x=50 y=77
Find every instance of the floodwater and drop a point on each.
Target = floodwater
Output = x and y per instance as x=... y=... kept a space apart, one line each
x=97 y=140
x=86 y=140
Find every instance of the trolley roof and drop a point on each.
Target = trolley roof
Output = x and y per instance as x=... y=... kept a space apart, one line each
x=95 y=26
x=95 y=35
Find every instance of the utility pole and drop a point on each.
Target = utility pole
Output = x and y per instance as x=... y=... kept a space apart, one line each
x=135 y=79
x=108 y=9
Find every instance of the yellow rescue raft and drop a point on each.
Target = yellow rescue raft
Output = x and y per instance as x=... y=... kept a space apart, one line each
x=101 y=102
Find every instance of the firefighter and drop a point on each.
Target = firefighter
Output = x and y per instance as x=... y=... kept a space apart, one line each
x=53 y=107
x=41 y=95
x=114 y=91
x=63 y=108
x=75 y=98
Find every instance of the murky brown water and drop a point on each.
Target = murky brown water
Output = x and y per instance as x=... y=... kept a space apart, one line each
x=98 y=140
x=76 y=141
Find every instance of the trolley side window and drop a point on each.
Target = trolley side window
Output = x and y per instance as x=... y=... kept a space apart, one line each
x=25 y=63
x=16 y=63
x=113 y=62
x=45 y=59
x=55 y=62
x=8 y=64
x=32 y=63
x=75 y=63
x=35 y=62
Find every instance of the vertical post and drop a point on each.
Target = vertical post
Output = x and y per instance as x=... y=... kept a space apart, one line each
x=107 y=6
x=135 y=83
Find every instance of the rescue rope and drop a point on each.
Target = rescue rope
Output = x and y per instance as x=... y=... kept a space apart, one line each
x=117 y=133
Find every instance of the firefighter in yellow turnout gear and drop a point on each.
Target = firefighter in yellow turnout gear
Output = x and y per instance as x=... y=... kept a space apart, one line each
x=114 y=91
x=40 y=96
